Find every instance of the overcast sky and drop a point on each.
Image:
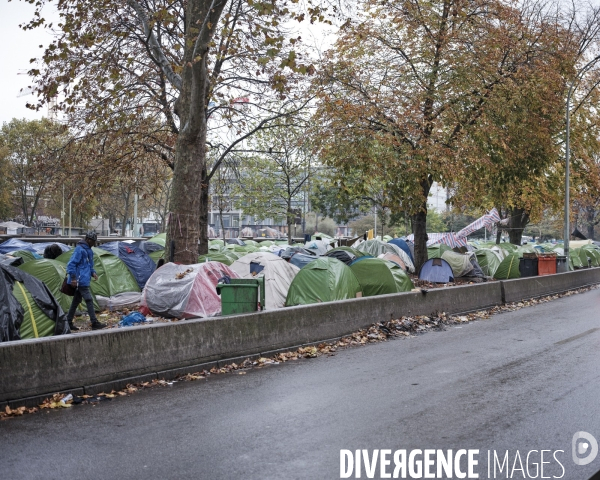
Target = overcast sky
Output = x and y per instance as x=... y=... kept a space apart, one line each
x=17 y=48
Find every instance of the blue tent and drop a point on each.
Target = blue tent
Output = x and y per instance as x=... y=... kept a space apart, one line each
x=138 y=262
x=40 y=247
x=403 y=246
x=436 y=270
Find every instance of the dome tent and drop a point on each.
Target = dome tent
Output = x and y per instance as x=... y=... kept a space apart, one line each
x=436 y=270
x=29 y=309
x=277 y=272
x=52 y=273
x=377 y=276
x=139 y=263
x=185 y=291
x=488 y=261
x=377 y=247
x=508 y=268
x=323 y=280
x=113 y=275
x=400 y=243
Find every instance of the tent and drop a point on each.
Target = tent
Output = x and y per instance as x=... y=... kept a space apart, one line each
x=52 y=273
x=400 y=243
x=10 y=260
x=29 y=310
x=393 y=258
x=460 y=263
x=323 y=280
x=436 y=270
x=277 y=272
x=235 y=241
x=26 y=255
x=300 y=260
x=318 y=247
x=138 y=262
x=13 y=244
x=159 y=239
x=113 y=275
x=40 y=247
x=377 y=276
x=488 y=261
x=185 y=291
x=217 y=257
x=508 y=268
x=344 y=256
x=437 y=250
x=12 y=228
x=377 y=247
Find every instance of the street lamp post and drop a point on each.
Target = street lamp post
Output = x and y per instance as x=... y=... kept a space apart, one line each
x=572 y=87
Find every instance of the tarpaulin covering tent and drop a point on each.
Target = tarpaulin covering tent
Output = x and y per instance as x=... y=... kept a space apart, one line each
x=40 y=247
x=277 y=272
x=27 y=307
x=377 y=276
x=436 y=270
x=185 y=291
x=377 y=247
x=13 y=244
x=324 y=280
x=52 y=273
x=488 y=261
x=508 y=268
x=400 y=243
x=138 y=262
x=113 y=275
x=300 y=260
x=460 y=263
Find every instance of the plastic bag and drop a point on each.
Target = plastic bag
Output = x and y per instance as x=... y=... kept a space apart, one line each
x=132 y=319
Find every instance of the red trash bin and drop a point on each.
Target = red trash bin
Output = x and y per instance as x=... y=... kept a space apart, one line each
x=546 y=264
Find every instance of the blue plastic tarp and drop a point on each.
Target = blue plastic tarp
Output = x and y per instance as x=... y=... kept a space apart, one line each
x=139 y=263
x=14 y=244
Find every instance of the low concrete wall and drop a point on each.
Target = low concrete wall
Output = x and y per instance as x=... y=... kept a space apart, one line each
x=97 y=361
x=531 y=287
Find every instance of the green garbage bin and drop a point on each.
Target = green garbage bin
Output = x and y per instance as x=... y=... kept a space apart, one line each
x=240 y=295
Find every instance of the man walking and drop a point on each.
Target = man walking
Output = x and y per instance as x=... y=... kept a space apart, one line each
x=80 y=271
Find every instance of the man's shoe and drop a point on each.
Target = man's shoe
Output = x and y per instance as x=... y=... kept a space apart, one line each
x=72 y=327
x=98 y=326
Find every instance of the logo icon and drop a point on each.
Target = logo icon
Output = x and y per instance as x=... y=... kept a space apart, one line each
x=584 y=444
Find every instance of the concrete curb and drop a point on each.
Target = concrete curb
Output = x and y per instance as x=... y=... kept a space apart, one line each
x=31 y=370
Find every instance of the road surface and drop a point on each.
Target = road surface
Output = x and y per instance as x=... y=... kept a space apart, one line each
x=521 y=381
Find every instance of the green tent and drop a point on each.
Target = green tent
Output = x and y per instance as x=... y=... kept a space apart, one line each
x=508 y=247
x=525 y=249
x=436 y=251
x=508 y=268
x=216 y=257
x=354 y=251
x=593 y=254
x=52 y=273
x=379 y=277
x=216 y=241
x=113 y=275
x=26 y=255
x=488 y=261
x=156 y=255
x=323 y=280
x=160 y=239
x=575 y=259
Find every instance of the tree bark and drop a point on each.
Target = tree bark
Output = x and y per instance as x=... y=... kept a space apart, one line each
x=419 y=225
x=518 y=220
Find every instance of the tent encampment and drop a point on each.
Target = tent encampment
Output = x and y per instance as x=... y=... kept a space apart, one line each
x=436 y=270
x=277 y=272
x=377 y=276
x=325 y=279
x=377 y=247
x=29 y=308
x=185 y=291
x=139 y=263
x=488 y=261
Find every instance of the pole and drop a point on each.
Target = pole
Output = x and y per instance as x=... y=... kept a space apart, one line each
x=70 y=212
x=135 y=214
x=62 y=214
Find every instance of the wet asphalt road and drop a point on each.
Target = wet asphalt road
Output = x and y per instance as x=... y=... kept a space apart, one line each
x=524 y=380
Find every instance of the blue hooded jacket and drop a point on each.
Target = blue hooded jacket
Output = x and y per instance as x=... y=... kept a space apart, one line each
x=81 y=265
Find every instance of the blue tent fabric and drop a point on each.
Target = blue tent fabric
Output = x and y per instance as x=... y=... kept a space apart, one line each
x=139 y=263
x=360 y=258
x=436 y=270
x=13 y=244
x=40 y=247
x=403 y=246
x=301 y=259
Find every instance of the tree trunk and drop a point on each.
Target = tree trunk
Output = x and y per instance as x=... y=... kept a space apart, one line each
x=419 y=226
x=290 y=220
x=518 y=220
x=591 y=211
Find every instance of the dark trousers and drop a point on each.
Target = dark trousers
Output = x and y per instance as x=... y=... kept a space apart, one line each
x=85 y=294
